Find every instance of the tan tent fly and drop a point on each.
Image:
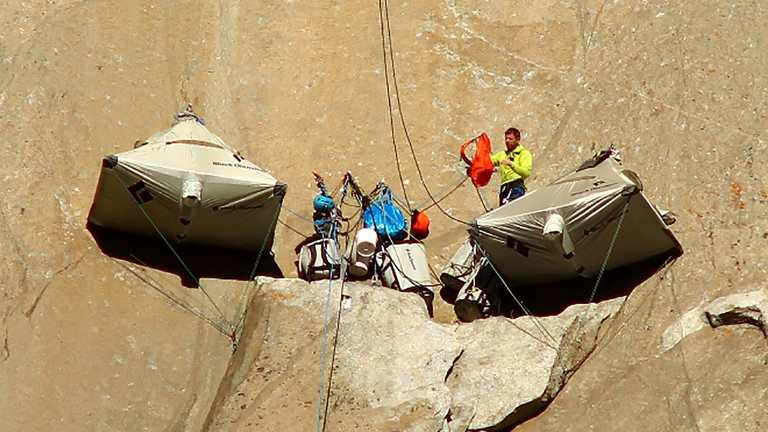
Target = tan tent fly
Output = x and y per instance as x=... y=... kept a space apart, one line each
x=190 y=186
x=567 y=229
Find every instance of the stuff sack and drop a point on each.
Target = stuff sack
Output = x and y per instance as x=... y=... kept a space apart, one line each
x=320 y=260
x=419 y=225
x=480 y=167
x=385 y=218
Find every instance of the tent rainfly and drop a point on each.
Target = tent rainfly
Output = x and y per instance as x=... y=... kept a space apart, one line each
x=565 y=230
x=187 y=184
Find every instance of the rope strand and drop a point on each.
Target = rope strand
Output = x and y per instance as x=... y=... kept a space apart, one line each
x=384 y=15
x=389 y=101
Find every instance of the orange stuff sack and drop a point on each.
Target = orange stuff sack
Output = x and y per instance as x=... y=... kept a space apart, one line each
x=480 y=168
x=419 y=225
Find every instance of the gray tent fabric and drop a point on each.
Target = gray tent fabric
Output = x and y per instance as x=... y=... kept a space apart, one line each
x=190 y=185
x=564 y=230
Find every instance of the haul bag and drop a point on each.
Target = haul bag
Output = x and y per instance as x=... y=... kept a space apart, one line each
x=320 y=260
x=385 y=218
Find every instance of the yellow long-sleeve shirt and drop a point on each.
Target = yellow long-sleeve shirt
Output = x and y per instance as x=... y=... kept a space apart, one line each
x=522 y=164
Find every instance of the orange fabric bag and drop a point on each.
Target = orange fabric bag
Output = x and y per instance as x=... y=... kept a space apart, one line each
x=480 y=168
x=419 y=225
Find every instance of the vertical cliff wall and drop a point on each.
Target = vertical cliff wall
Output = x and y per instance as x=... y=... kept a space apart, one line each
x=298 y=86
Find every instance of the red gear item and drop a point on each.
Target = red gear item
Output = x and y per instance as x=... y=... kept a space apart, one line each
x=419 y=225
x=480 y=168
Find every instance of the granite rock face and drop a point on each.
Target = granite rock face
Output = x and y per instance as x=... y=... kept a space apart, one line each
x=299 y=86
x=743 y=308
x=394 y=368
x=510 y=370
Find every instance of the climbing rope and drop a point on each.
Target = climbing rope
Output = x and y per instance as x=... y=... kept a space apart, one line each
x=181 y=304
x=610 y=333
x=482 y=199
x=292 y=229
x=343 y=273
x=298 y=215
x=320 y=425
x=324 y=396
x=389 y=99
x=386 y=39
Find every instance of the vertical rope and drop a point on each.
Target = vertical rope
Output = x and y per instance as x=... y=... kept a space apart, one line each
x=324 y=396
x=389 y=101
x=384 y=15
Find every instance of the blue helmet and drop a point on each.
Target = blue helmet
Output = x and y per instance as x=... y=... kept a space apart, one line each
x=323 y=203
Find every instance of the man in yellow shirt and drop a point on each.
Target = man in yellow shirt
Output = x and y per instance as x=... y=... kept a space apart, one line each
x=515 y=165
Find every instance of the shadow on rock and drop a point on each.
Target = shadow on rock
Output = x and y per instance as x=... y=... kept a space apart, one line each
x=202 y=261
x=552 y=299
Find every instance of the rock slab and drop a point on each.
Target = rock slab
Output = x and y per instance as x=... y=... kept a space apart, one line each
x=742 y=308
x=393 y=367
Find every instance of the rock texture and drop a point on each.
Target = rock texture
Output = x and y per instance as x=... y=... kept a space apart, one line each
x=299 y=85
x=114 y=354
x=394 y=369
x=744 y=308
x=510 y=370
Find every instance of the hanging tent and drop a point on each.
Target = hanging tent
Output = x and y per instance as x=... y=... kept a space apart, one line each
x=565 y=230
x=192 y=187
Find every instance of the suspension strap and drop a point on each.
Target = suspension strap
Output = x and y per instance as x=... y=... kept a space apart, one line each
x=607 y=257
x=240 y=315
x=172 y=249
x=536 y=321
x=168 y=294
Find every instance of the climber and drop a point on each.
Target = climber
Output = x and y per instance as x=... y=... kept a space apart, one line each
x=515 y=165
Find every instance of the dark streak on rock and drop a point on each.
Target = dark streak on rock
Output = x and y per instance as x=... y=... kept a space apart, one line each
x=28 y=313
x=751 y=315
x=450 y=369
x=5 y=352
